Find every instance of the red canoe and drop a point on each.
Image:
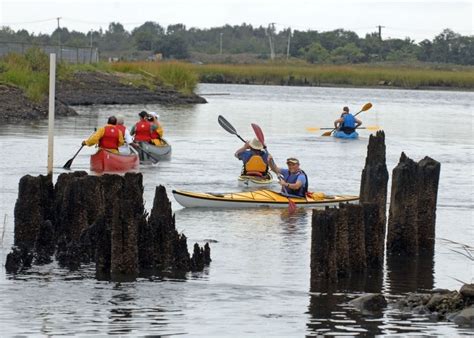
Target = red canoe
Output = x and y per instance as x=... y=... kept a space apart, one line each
x=109 y=162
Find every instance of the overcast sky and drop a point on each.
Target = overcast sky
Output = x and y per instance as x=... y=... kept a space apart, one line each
x=401 y=18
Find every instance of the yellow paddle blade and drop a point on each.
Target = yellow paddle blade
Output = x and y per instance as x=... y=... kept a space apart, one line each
x=373 y=128
x=366 y=106
x=327 y=133
x=313 y=129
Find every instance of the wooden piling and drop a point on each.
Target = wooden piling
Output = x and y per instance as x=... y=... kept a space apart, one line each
x=402 y=238
x=428 y=180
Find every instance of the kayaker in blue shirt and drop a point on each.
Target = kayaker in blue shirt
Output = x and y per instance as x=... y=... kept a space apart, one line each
x=293 y=180
x=347 y=123
x=255 y=158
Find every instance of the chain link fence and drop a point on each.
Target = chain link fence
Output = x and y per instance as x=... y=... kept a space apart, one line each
x=63 y=53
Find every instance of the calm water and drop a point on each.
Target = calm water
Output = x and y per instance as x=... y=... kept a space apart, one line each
x=258 y=282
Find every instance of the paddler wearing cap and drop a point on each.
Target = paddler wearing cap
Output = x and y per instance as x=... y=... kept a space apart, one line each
x=143 y=129
x=293 y=180
x=254 y=157
x=156 y=134
x=108 y=137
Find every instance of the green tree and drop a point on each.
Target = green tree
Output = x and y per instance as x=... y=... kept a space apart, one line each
x=316 y=53
x=350 y=53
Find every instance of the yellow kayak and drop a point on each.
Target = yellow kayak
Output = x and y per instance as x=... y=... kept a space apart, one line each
x=257 y=199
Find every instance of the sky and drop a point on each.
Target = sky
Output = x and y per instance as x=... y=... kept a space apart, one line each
x=418 y=20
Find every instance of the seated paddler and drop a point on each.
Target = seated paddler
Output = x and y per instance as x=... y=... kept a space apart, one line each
x=293 y=180
x=347 y=123
x=108 y=137
x=157 y=133
x=254 y=158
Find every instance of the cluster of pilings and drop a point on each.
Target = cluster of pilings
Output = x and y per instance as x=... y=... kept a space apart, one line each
x=350 y=240
x=99 y=219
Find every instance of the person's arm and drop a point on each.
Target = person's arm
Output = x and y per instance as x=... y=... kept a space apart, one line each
x=127 y=137
x=241 y=150
x=358 y=122
x=94 y=138
x=273 y=165
x=132 y=131
x=160 y=131
x=337 y=122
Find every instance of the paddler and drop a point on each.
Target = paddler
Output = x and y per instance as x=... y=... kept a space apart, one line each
x=109 y=137
x=347 y=123
x=126 y=135
x=157 y=134
x=293 y=180
x=254 y=158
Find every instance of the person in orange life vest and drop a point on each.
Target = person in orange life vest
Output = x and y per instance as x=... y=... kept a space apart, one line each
x=293 y=180
x=347 y=123
x=143 y=129
x=126 y=135
x=108 y=137
x=255 y=158
x=157 y=134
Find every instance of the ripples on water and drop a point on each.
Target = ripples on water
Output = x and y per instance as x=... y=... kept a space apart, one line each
x=258 y=281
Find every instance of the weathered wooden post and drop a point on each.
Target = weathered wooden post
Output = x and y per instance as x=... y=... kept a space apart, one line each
x=373 y=189
x=323 y=247
x=356 y=228
x=428 y=180
x=402 y=238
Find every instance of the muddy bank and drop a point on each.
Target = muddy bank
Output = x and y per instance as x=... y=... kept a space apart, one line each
x=86 y=88
x=17 y=107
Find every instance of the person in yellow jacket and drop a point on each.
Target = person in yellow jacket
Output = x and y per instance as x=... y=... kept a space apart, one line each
x=108 y=137
x=157 y=134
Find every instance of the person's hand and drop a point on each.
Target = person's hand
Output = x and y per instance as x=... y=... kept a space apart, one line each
x=83 y=143
x=283 y=183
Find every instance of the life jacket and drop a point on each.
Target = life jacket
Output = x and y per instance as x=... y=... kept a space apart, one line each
x=142 y=131
x=292 y=178
x=110 y=139
x=121 y=127
x=349 y=121
x=256 y=165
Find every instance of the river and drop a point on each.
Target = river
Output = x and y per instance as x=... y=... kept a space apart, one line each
x=258 y=281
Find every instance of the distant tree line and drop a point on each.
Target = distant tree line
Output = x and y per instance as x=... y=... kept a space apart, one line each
x=338 y=46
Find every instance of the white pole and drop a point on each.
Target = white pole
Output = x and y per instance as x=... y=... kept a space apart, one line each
x=52 y=94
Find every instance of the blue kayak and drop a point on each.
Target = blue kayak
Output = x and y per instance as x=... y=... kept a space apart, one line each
x=341 y=134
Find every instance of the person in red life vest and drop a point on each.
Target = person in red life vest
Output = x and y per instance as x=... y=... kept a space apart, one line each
x=254 y=157
x=108 y=137
x=143 y=129
x=157 y=134
x=126 y=135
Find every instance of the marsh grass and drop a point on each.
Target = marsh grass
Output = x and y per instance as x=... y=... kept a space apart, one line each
x=350 y=75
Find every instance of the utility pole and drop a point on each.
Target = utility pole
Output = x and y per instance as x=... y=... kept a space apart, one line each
x=59 y=38
x=220 y=43
x=380 y=31
x=91 y=31
x=270 y=29
x=288 y=47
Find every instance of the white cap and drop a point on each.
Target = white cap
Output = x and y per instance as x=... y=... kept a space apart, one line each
x=155 y=115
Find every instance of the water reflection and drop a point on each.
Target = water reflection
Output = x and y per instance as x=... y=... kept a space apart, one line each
x=410 y=274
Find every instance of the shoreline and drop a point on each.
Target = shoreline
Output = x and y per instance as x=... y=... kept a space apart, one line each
x=86 y=88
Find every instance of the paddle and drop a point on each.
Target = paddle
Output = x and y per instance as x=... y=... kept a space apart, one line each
x=366 y=106
x=259 y=134
x=154 y=160
x=228 y=127
x=69 y=162
x=314 y=129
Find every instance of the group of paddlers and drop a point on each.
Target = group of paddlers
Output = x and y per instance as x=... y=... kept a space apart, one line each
x=115 y=136
x=294 y=181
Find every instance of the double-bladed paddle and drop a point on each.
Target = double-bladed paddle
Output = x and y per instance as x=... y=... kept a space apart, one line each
x=259 y=134
x=314 y=129
x=228 y=127
x=366 y=106
x=138 y=148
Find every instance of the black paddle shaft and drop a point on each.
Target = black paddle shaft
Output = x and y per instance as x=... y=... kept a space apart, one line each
x=228 y=127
